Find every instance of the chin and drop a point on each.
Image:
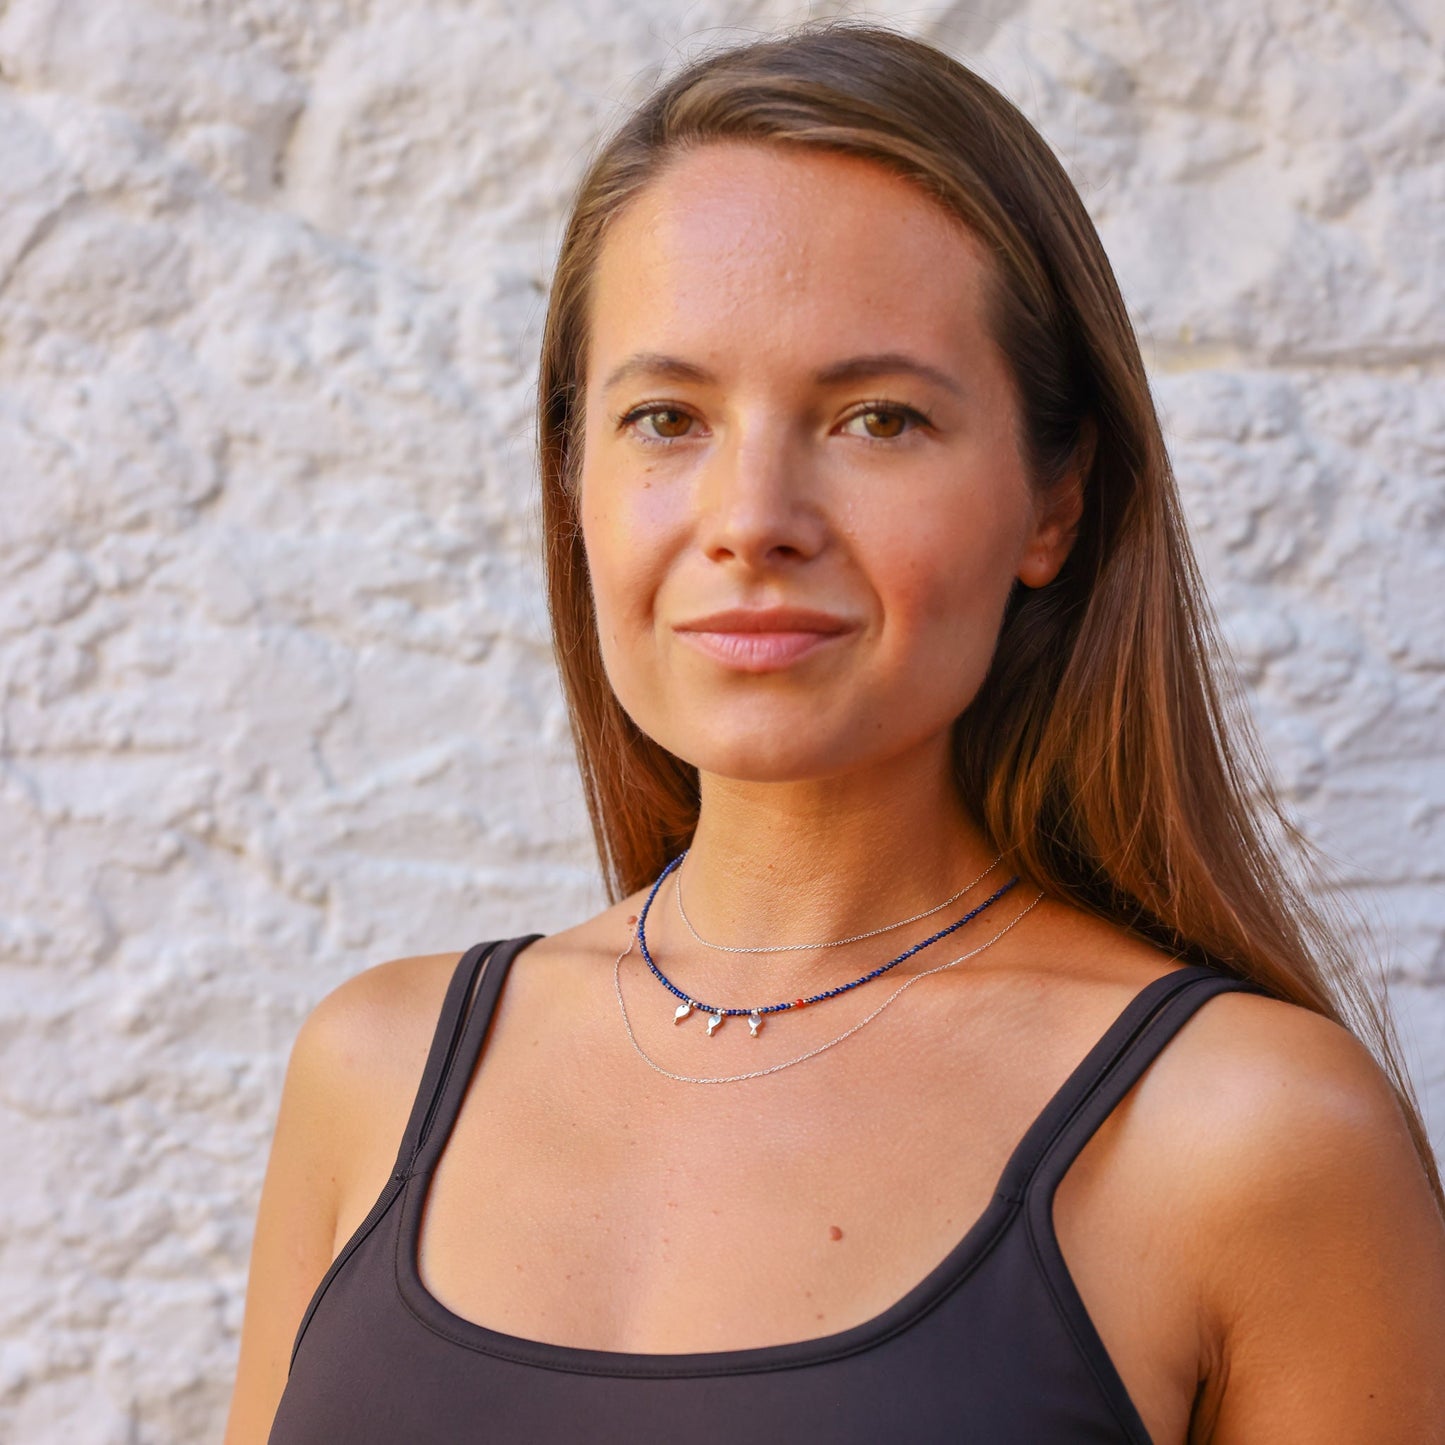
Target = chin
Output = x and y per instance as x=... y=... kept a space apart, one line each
x=781 y=767
x=782 y=750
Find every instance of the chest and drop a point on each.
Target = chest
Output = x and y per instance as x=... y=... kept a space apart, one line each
x=627 y=1219
x=582 y=1201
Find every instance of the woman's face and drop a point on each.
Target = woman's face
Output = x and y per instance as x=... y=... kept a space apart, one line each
x=802 y=496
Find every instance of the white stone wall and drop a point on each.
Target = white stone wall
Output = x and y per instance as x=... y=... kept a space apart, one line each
x=277 y=697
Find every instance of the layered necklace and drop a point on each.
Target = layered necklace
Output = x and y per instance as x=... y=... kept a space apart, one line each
x=716 y=1013
x=821 y=1048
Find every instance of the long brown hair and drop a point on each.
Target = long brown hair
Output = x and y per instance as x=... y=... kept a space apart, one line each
x=1107 y=753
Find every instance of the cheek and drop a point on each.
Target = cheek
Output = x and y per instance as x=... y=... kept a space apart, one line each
x=953 y=577
x=607 y=575
x=624 y=536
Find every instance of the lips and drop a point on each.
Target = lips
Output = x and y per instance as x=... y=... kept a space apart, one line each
x=762 y=639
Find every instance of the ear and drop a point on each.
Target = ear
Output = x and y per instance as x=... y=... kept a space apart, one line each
x=1056 y=516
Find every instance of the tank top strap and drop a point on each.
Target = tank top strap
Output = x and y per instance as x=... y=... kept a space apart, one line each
x=445 y=1038
x=1108 y=1071
x=461 y=1028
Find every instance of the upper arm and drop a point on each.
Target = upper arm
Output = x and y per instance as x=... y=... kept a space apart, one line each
x=349 y=1084
x=1324 y=1260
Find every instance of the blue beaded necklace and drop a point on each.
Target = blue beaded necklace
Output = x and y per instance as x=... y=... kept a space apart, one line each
x=755 y=1016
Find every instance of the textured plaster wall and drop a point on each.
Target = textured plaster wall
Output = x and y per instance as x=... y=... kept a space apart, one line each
x=277 y=698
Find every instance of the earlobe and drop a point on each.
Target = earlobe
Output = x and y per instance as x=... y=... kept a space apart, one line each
x=1040 y=564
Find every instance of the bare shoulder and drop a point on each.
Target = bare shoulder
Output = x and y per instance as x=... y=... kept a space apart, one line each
x=1311 y=1238
x=375 y=1026
x=1276 y=1097
x=1252 y=1090
x=366 y=1042
x=361 y=1053
x=1252 y=1095
x=354 y=1065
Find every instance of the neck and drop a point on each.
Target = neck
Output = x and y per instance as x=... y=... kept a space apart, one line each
x=800 y=862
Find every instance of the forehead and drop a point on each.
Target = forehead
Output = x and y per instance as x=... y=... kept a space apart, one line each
x=831 y=253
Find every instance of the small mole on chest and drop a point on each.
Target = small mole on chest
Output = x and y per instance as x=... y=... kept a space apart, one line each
x=834 y=1232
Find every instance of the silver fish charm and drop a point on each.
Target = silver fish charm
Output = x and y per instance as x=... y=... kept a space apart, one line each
x=713 y=1024
x=681 y=1012
x=755 y=1022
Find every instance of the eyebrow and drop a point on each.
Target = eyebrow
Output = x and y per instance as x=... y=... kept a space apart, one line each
x=853 y=368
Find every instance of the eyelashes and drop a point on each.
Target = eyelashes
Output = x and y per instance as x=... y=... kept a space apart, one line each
x=653 y=409
x=909 y=417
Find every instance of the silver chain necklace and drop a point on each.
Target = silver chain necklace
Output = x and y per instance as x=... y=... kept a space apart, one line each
x=832 y=942
x=812 y=1053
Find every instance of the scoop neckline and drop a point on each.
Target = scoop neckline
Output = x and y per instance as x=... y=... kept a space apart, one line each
x=752 y=1359
x=947 y=1275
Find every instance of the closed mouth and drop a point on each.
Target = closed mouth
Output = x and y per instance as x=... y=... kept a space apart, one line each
x=779 y=620
x=762 y=640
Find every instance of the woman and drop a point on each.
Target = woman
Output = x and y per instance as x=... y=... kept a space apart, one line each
x=870 y=590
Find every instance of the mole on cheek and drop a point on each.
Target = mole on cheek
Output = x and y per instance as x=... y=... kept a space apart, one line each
x=834 y=1232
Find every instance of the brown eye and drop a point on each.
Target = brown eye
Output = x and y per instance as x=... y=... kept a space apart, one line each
x=890 y=423
x=886 y=423
x=667 y=422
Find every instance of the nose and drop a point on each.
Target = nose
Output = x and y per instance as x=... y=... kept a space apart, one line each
x=758 y=501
